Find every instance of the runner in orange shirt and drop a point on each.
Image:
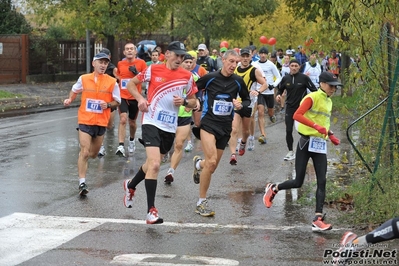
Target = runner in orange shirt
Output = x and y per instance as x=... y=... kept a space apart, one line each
x=100 y=93
x=126 y=70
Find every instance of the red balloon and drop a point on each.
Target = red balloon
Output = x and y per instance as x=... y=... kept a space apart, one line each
x=263 y=39
x=224 y=44
x=272 y=41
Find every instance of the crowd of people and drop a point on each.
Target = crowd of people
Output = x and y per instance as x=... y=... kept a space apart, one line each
x=216 y=97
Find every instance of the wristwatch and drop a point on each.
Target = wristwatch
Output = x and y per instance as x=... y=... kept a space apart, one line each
x=108 y=105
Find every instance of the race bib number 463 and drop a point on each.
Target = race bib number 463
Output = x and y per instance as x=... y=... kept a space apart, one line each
x=222 y=107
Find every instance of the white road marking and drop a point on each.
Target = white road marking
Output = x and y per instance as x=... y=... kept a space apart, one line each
x=24 y=235
x=162 y=259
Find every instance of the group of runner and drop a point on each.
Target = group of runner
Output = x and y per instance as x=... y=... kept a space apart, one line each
x=221 y=104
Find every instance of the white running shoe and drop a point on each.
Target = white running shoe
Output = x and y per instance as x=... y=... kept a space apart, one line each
x=189 y=147
x=132 y=146
x=120 y=151
x=101 y=153
x=153 y=217
x=251 y=143
x=290 y=156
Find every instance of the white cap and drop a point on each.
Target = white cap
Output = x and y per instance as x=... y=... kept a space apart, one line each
x=201 y=47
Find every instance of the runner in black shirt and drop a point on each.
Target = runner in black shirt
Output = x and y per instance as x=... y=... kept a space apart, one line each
x=297 y=86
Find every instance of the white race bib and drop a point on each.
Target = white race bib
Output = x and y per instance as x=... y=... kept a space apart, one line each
x=317 y=145
x=167 y=117
x=93 y=106
x=124 y=83
x=222 y=107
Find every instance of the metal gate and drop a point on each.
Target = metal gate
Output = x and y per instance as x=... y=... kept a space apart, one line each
x=13 y=58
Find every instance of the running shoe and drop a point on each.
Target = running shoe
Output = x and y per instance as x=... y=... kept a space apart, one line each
x=165 y=158
x=196 y=172
x=168 y=179
x=282 y=111
x=318 y=224
x=233 y=159
x=129 y=194
x=251 y=143
x=241 y=150
x=153 y=217
x=238 y=144
x=83 y=190
x=101 y=153
x=132 y=146
x=345 y=244
x=269 y=195
x=262 y=139
x=204 y=210
x=189 y=147
x=273 y=119
x=290 y=156
x=120 y=151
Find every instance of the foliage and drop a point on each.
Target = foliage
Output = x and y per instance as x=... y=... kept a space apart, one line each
x=11 y=21
x=6 y=94
x=123 y=19
x=217 y=19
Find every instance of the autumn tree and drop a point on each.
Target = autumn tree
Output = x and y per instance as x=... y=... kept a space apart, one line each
x=11 y=21
x=208 y=20
x=108 y=19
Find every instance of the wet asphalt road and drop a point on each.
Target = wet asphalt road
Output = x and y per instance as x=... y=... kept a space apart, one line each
x=43 y=221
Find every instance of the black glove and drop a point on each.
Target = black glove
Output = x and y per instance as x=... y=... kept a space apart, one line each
x=271 y=87
x=133 y=70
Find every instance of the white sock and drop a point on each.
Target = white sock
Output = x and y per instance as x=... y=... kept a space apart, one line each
x=200 y=201
x=198 y=165
x=171 y=171
x=82 y=180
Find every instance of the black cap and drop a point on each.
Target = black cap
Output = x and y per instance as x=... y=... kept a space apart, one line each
x=252 y=47
x=177 y=47
x=329 y=78
x=188 y=57
x=245 y=51
x=263 y=50
x=105 y=51
x=273 y=55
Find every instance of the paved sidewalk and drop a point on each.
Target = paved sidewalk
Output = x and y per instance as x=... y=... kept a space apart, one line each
x=33 y=96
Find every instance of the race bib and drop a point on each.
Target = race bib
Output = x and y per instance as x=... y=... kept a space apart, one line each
x=167 y=117
x=222 y=107
x=317 y=145
x=124 y=83
x=93 y=106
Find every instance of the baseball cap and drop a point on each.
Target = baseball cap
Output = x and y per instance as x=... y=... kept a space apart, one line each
x=105 y=51
x=273 y=55
x=263 y=50
x=101 y=56
x=193 y=54
x=245 y=51
x=299 y=46
x=201 y=47
x=177 y=47
x=329 y=78
x=252 y=47
x=223 y=49
x=188 y=57
x=288 y=52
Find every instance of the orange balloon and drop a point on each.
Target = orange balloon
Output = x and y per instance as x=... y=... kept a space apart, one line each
x=224 y=44
x=263 y=39
x=272 y=41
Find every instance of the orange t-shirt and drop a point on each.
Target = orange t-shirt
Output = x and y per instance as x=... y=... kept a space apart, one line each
x=125 y=75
